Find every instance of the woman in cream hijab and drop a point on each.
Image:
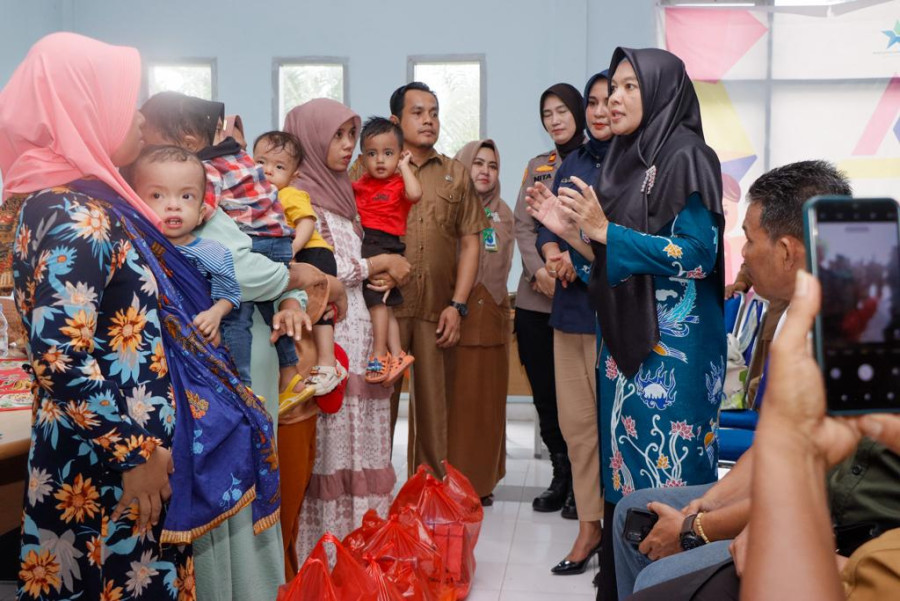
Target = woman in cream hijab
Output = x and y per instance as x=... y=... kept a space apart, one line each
x=480 y=362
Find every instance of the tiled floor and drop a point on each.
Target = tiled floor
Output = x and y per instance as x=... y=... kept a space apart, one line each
x=517 y=545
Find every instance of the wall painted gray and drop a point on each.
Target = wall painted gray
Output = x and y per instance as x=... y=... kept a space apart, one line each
x=528 y=45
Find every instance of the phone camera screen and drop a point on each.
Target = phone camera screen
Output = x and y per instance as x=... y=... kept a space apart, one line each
x=858 y=264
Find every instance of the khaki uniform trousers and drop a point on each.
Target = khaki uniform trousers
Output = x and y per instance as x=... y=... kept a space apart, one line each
x=427 y=397
x=574 y=359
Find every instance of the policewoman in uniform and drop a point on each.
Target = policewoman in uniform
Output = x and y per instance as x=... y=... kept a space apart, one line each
x=562 y=116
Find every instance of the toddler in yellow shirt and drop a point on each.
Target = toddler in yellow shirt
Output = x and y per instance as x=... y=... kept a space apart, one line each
x=280 y=154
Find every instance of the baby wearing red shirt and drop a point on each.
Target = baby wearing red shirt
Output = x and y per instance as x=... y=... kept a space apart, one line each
x=384 y=196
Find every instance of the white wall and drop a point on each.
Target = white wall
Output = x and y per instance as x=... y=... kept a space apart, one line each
x=528 y=45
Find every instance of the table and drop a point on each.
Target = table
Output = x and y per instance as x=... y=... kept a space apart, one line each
x=15 y=440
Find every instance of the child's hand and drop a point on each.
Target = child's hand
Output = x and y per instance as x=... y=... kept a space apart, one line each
x=290 y=322
x=208 y=324
x=405 y=157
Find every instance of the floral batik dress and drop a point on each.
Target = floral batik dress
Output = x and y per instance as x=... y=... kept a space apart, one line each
x=659 y=427
x=102 y=405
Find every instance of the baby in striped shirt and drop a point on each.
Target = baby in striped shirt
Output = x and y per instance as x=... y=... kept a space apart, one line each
x=172 y=181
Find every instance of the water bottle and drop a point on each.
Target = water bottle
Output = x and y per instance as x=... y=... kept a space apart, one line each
x=4 y=335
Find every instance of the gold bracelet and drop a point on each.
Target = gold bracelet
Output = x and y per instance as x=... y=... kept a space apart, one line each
x=700 y=528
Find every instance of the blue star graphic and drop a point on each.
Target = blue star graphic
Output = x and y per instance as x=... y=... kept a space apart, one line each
x=893 y=35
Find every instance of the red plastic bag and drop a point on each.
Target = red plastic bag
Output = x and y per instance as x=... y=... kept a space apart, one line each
x=387 y=590
x=356 y=541
x=348 y=581
x=404 y=549
x=460 y=489
x=312 y=582
x=451 y=511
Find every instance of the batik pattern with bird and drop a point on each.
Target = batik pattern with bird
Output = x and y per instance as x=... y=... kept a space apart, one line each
x=659 y=427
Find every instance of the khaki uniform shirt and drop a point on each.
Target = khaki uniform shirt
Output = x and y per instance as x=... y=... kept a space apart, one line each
x=449 y=209
x=873 y=572
x=488 y=323
x=541 y=168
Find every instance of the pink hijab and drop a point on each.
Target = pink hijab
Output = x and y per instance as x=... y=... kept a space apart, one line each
x=315 y=123
x=65 y=110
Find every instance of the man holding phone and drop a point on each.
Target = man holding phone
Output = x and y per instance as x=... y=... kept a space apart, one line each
x=695 y=524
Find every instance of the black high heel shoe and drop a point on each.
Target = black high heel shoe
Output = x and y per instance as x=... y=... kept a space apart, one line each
x=567 y=568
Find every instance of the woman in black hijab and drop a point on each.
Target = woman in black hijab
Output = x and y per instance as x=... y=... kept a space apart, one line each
x=563 y=118
x=656 y=283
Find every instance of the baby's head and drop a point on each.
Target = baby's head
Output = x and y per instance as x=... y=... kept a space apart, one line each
x=172 y=181
x=381 y=142
x=181 y=120
x=279 y=154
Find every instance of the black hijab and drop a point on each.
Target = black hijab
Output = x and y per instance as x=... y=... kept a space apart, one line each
x=598 y=148
x=669 y=140
x=573 y=101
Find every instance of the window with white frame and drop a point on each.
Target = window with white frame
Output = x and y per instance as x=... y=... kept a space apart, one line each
x=458 y=82
x=300 y=80
x=196 y=77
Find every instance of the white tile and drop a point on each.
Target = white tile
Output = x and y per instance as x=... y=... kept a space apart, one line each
x=489 y=575
x=492 y=551
x=516 y=478
x=499 y=530
x=478 y=594
x=502 y=510
x=522 y=577
x=523 y=596
x=532 y=532
x=541 y=557
x=527 y=514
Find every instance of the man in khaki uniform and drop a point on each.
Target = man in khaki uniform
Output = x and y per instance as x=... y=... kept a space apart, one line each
x=442 y=245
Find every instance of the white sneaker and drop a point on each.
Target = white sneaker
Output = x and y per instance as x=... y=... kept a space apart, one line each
x=325 y=378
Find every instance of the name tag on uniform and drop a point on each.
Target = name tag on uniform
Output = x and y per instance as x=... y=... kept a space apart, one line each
x=490 y=239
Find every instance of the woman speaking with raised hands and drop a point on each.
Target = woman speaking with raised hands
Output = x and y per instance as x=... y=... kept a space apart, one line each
x=654 y=227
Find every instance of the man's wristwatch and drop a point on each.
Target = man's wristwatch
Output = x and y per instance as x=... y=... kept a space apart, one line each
x=690 y=540
x=460 y=307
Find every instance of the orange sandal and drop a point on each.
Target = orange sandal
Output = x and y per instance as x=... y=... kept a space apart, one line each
x=379 y=368
x=399 y=365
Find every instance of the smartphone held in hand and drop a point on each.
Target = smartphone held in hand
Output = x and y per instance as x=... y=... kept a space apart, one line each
x=853 y=248
x=638 y=524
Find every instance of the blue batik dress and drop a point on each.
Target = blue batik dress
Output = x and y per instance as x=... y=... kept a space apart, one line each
x=659 y=427
x=103 y=403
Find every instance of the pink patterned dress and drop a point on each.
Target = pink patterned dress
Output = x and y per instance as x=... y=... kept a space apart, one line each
x=353 y=471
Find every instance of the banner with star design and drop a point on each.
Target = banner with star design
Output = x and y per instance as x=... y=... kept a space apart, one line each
x=778 y=85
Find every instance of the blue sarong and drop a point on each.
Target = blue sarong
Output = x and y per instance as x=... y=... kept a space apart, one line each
x=224 y=444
